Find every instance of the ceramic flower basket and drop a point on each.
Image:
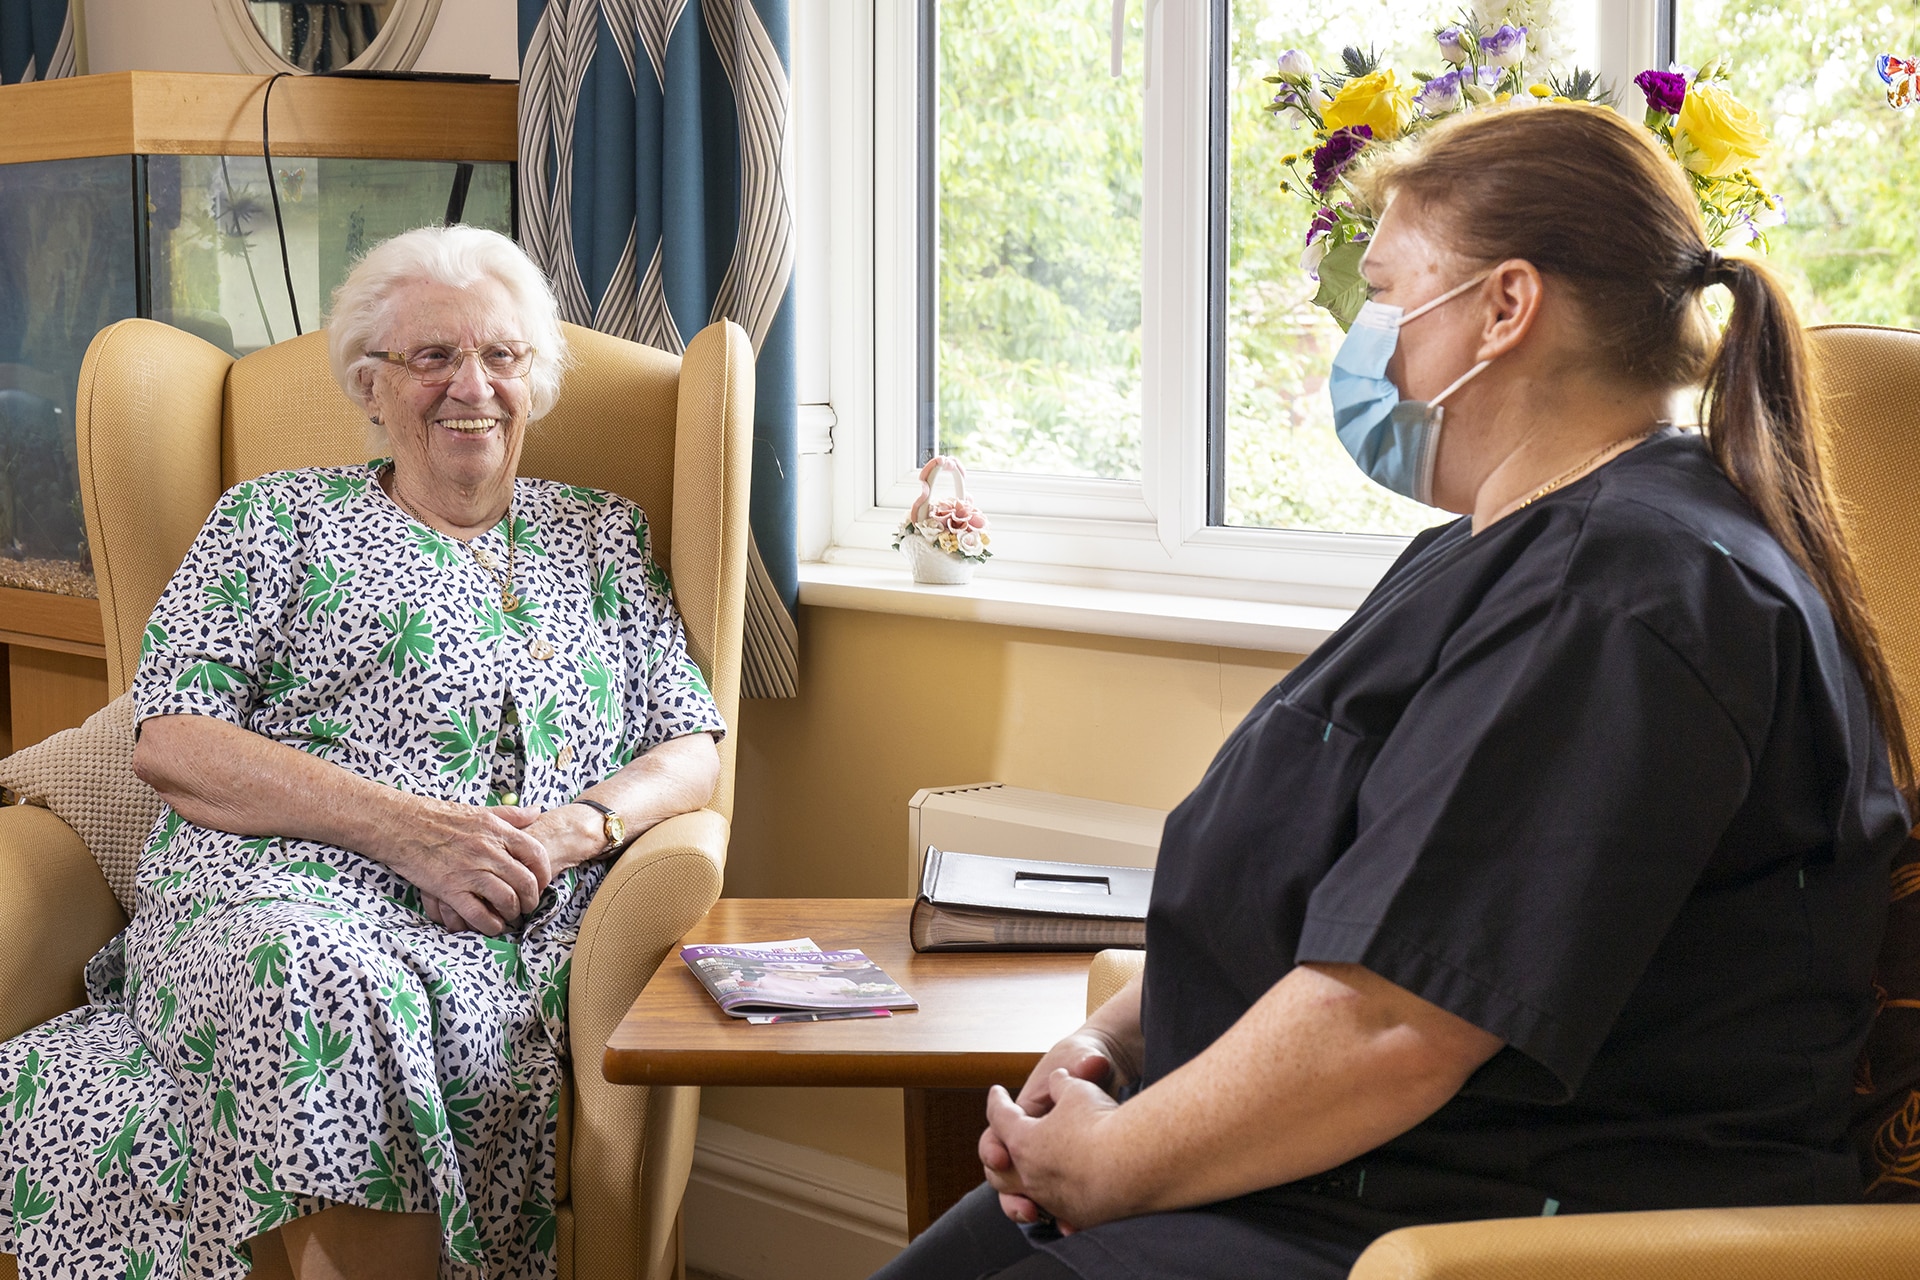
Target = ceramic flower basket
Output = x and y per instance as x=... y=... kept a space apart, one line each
x=943 y=541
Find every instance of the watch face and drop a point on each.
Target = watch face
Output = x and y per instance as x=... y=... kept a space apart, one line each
x=616 y=829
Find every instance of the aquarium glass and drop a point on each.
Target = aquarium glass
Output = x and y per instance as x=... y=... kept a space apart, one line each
x=70 y=264
x=217 y=268
x=66 y=271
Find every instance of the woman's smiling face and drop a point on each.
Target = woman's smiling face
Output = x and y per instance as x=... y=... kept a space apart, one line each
x=464 y=435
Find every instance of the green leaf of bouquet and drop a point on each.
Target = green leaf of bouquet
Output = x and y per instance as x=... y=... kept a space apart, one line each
x=1342 y=287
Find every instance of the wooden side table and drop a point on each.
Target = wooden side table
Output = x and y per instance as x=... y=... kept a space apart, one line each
x=985 y=1018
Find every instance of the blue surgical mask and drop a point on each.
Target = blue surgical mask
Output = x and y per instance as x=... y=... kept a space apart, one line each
x=1393 y=440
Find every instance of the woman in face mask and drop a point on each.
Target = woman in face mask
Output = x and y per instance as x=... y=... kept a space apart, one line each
x=1552 y=882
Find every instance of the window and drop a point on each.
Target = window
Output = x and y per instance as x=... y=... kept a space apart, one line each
x=1031 y=239
x=1089 y=289
x=1851 y=247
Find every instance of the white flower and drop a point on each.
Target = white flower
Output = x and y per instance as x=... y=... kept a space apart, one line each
x=1772 y=215
x=1311 y=255
x=972 y=543
x=1452 y=42
x=1296 y=65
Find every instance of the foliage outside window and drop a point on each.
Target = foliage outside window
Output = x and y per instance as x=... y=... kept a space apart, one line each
x=1842 y=158
x=1039 y=240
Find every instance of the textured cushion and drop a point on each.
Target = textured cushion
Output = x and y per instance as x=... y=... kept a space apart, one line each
x=85 y=776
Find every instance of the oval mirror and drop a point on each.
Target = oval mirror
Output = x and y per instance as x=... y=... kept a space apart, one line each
x=326 y=35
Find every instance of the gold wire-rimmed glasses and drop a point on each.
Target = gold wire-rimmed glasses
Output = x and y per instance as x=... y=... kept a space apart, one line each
x=434 y=364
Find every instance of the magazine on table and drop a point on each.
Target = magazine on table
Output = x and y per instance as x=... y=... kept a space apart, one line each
x=794 y=981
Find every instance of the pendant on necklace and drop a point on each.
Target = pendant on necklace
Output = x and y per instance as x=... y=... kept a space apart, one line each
x=540 y=649
x=485 y=557
x=565 y=757
x=509 y=601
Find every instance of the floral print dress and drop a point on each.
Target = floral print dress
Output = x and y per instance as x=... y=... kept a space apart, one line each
x=280 y=1027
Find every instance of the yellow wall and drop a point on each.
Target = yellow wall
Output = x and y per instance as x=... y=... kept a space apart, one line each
x=891 y=704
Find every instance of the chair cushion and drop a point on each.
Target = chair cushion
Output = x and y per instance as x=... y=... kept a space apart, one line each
x=1887 y=1106
x=85 y=776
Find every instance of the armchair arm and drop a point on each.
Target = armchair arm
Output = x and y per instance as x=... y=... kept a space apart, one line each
x=56 y=911
x=1111 y=970
x=1806 y=1242
x=632 y=1147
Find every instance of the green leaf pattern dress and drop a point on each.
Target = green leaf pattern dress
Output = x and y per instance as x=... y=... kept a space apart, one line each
x=280 y=1028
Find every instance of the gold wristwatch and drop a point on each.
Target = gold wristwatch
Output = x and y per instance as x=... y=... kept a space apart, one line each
x=610 y=823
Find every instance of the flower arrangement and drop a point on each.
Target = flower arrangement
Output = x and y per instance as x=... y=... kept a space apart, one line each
x=943 y=540
x=1715 y=137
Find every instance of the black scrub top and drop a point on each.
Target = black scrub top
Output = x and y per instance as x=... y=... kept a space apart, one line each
x=1602 y=781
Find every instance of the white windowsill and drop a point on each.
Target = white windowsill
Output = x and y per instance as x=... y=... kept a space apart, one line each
x=1106 y=611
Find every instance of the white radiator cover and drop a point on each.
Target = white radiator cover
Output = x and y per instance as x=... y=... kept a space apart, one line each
x=1014 y=822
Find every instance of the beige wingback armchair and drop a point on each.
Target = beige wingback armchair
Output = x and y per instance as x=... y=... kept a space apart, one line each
x=166 y=422
x=1868 y=380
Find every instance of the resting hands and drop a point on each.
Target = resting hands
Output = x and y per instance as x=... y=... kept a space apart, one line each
x=476 y=867
x=1090 y=1063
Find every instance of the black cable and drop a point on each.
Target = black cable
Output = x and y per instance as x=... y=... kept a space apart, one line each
x=273 y=189
x=457 y=198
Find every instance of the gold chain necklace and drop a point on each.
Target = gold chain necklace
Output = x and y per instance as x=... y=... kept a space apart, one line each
x=1619 y=446
x=538 y=645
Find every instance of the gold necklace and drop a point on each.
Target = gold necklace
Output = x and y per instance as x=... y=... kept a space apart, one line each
x=1620 y=446
x=538 y=646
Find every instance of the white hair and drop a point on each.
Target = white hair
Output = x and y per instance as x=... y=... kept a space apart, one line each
x=459 y=257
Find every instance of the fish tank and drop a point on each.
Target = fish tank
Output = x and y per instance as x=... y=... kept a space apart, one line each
x=190 y=240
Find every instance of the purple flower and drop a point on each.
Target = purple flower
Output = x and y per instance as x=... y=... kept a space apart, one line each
x=1336 y=153
x=1505 y=47
x=1665 y=90
x=1453 y=44
x=1442 y=93
x=1323 y=222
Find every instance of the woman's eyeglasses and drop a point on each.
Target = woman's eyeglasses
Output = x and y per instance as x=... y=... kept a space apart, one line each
x=435 y=364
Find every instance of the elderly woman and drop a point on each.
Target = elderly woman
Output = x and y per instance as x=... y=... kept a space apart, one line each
x=401 y=714
x=1552 y=882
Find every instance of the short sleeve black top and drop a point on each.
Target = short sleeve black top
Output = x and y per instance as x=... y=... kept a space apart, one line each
x=1601 y=780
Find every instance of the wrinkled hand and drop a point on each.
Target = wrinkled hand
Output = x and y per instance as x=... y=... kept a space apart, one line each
x=572 y=834
x=476 y=868
x=1084 y=1055
x=1055 y=1160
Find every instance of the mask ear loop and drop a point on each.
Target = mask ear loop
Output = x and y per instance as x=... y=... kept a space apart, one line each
x=1437 y=415
x=1448 y=296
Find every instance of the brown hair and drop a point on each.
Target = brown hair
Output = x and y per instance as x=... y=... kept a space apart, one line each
x=1587 y=197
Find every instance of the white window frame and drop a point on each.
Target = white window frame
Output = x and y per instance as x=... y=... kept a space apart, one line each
x=856 y=87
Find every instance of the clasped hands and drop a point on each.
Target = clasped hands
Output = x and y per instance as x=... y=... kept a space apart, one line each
x=1052 y=1151
x=482 y=868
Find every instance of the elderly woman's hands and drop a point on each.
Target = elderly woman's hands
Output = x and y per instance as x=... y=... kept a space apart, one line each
x=476 y=868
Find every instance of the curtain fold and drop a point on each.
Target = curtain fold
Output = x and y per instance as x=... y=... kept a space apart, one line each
x=36 y=40
x=653 y=190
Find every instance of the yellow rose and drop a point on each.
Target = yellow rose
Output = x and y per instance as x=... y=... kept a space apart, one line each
x=1716 y=134
x=1378 y=101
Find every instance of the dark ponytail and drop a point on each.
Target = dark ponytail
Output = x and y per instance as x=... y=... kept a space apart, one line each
x=1760 y=424
x=1589 y=198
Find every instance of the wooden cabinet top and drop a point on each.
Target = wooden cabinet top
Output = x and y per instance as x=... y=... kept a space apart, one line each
x=185 y=113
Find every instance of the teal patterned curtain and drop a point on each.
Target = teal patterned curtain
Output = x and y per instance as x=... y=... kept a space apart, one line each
x=36 y=40
x=652 y=190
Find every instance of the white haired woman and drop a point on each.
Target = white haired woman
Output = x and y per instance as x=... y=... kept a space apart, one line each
x=400 y=713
